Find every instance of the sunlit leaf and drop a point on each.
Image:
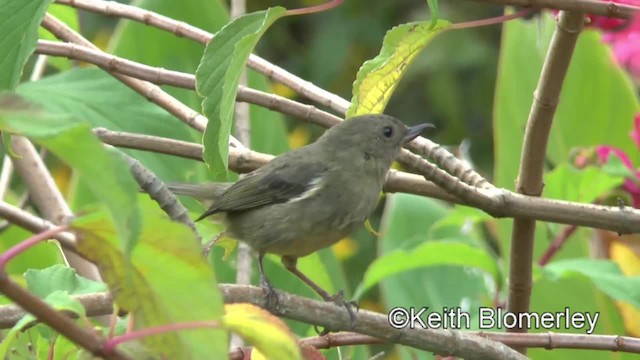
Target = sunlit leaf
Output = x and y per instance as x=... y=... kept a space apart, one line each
x=165 y=280
x=378 y=77
x=584 y=185
x=267 y=333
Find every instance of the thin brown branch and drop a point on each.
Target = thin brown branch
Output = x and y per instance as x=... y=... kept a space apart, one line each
x=533 y=154
x=34 y=224
x=88 y=338
x=596 y=7
x=547 y=341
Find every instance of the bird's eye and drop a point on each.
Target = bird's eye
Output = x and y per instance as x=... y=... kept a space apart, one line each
x=387 y=131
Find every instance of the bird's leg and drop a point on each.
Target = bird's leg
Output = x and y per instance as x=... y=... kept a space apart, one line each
x=290 y=263
x=270 y=294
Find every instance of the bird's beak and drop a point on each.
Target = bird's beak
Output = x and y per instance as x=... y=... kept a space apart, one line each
x=415 y=131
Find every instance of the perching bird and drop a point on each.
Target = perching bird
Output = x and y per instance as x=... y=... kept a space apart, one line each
x=311 y=197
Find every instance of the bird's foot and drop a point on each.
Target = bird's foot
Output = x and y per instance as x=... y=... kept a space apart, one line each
x=338 y=299
x=270 y=295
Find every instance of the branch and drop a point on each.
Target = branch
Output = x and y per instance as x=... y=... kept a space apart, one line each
x=596 y=7
x=500 y=201
x=534 y=149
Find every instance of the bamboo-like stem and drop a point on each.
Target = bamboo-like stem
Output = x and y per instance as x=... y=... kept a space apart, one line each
x=534 y=149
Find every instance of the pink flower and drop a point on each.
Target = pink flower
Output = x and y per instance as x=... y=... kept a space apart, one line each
x=626 y=45
x=607 y=23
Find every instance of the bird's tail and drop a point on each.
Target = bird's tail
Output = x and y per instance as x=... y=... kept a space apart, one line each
x=202 y=192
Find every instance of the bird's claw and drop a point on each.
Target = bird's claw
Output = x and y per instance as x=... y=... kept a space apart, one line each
x=338 y=299
x=271 y=297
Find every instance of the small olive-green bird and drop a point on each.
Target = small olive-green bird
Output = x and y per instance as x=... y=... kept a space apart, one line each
x=311 y=197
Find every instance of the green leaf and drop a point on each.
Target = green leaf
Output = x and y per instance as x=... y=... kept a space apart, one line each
x=578 y=294
x=583 y=185
x=60 y=278
x=434 y=253
x=615 y=167
x=604 y=274
x=19 y=22
x=103 y=172
x=217 y=80
x=378 y=77
x=59 y=300
x=165 y=280
x=97 y=98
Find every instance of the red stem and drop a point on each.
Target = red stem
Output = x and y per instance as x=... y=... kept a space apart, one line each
x=490 y=21
x=26 y=244
x=557 y=243
x=314 y=9
x=110 y=344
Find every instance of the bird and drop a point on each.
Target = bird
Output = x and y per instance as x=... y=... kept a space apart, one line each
x=309 y=198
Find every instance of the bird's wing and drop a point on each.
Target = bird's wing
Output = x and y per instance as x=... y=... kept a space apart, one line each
x=278 y=184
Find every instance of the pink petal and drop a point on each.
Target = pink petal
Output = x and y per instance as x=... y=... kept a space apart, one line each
x=635 y=133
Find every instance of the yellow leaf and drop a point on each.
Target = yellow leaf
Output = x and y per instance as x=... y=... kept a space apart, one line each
x=629 y=263
x=378 y=77
x=268 y=334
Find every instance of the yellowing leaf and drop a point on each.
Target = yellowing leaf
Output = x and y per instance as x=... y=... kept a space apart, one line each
x=629 y=263
x=378 y=77
x=268 y=334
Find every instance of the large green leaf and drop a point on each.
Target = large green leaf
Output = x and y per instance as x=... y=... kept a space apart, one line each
x=19 y=22
x=218 y=76
x=433 y=253
x=596 y=106
x=165 y=280
x=103 y=172
x=378 y=77
x=604 y=274
x=60 y=278
x=552 y=293
x=97 y=98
